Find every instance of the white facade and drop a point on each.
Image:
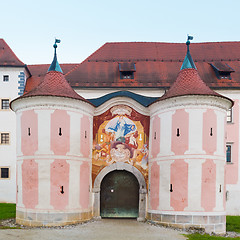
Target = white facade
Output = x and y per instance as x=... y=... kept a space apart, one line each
x=9 y=90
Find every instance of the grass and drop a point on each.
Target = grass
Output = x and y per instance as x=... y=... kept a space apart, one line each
x=197 y=236
x=7 y=227
x=233 y=224
x=7 y=210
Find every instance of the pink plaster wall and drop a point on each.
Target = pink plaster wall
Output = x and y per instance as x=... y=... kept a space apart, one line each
x=29 y=144
x=30 y=183
x=154 y=186
x=208 y=185
x=84 y=185
x=209 y=121
x=180 y=120
x=233 y=136
x=179 y=181
x=59 y=177
x=85 y=136
x=60 y=145
x=155 y=142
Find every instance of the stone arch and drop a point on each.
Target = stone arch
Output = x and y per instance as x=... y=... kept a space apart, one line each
x=126 y=167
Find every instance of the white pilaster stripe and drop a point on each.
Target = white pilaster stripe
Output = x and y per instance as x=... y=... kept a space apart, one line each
x=74 y=184
x=75 y=133
x=19 y=183
x=44 y=131
x=219 y=181
x=195 y=131
x=194 y=184
x=44 y=184
x=164 y=186
x=165 y=133
x=220 y=133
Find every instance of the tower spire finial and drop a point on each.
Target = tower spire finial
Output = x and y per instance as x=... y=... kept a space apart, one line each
x=188 y=41
x=188 y=61
x=55 y=65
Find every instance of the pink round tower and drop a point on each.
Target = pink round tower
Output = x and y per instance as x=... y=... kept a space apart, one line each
x=54 y=136
x=187 y=162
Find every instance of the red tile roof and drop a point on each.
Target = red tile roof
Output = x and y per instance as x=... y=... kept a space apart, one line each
x=38 y=73
x=8 y=57
x=54 y=84
x=157 y=65
x=188 y=83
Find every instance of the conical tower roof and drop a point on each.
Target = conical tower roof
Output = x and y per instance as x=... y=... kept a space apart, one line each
x=188 y=81
x=54 y=83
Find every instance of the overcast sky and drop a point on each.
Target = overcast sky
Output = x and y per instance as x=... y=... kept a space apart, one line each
x=30 y=27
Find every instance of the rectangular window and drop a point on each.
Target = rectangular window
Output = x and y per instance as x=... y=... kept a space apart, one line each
x=4 y=138
x=228 y=153
x=5 y=103
x=229 y=115
x=4 y=173
x=5 y=78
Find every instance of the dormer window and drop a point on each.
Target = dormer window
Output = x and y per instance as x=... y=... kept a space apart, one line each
x=127 y=70
x=222 y=70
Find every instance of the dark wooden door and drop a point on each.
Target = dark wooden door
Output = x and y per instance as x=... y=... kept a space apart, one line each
x=119 y=195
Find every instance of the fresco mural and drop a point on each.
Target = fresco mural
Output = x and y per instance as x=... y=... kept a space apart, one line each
x=120 y=135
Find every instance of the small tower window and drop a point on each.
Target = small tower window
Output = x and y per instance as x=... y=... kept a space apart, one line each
x=211 y=132
x=5 y=78
x=178 y=132
x=155 y=135
x=60 y=132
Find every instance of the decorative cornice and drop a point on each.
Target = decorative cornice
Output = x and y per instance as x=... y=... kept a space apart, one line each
x=190 y=101
x=52 y=102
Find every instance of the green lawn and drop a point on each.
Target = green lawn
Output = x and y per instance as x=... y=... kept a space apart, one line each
x=197 y=236
x=233 y=224
x=7 y=210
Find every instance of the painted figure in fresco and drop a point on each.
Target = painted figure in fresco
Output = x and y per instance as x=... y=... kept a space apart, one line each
x=120 y=153
x=121 y=126
x=144 y=161
x=131 y=139
x=103 y=149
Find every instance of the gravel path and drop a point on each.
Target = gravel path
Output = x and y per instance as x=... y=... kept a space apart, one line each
x=106 y=229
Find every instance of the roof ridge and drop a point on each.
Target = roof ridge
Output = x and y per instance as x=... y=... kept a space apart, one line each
x=171 y=42
x=72 y=70
x=12 y=52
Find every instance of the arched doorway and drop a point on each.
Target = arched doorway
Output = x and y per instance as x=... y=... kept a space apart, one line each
x=119 y=195
x=128 y=168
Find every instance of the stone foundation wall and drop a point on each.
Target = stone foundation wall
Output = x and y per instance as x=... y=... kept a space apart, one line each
x=39 y=219
x=210 y=223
